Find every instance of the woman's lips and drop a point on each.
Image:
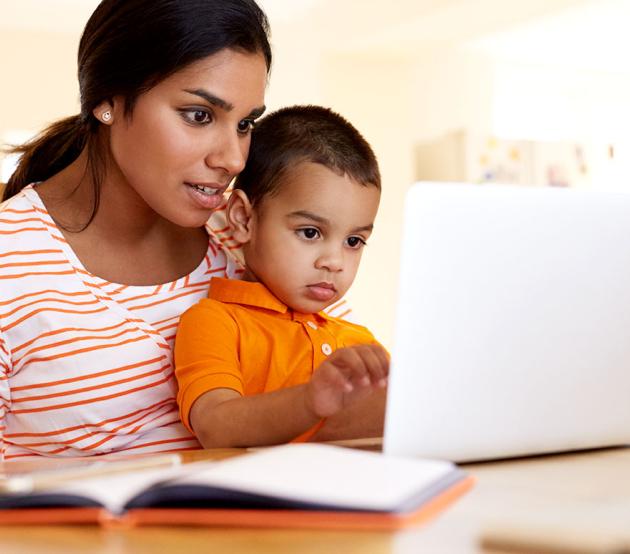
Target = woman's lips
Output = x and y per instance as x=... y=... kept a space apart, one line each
x=206 y=195
x=322 y=291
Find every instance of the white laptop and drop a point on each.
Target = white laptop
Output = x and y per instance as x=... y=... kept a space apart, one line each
x=513 y=323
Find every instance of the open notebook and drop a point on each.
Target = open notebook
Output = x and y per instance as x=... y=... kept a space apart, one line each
x=297 y=485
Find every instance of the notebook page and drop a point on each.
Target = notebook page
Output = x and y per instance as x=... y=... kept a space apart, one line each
x=113 y=491
x=328 y=475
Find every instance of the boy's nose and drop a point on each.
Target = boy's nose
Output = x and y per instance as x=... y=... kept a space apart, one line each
x=331 y=260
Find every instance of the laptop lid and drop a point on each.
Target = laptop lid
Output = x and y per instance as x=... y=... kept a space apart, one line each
x=513 y=322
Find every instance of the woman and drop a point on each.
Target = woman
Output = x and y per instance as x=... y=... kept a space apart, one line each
x=102 y=236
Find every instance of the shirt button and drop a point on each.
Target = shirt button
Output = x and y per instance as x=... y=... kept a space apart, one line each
x=326 y=349
x=311 y=325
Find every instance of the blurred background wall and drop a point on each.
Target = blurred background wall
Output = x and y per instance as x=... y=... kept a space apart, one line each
x=519 y=91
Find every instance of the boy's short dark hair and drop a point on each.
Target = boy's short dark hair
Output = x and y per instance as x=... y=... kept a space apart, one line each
x=297 y=134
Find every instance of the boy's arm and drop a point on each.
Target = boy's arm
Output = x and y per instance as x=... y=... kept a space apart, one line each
x=224 y=418
x=211 y=390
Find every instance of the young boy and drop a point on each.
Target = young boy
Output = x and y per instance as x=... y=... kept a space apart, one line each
x=258 y=362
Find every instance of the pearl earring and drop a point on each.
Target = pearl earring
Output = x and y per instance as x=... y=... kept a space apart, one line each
x=106 y=116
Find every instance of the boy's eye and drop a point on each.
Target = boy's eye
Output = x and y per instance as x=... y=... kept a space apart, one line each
x=197 y=117
x=309 y=233
x=245 y=126
x=355 y=242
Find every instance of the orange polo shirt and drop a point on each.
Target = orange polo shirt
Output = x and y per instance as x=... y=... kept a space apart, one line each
x=243 y=338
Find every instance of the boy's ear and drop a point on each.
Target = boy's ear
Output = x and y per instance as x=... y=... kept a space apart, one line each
x=239 y=216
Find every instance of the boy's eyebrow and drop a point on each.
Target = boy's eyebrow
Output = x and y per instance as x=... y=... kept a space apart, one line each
x=309 y=215
x=220 y=103
x=319 y=219
x=369 y=228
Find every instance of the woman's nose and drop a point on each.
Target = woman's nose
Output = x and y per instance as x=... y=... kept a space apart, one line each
x=229 y=154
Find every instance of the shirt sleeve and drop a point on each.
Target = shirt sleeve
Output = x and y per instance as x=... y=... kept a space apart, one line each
x=342 y=310
x=219 y=229
x=5 y=392
x=206 y=354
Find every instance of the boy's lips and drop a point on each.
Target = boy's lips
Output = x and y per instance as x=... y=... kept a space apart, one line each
x=321 y=291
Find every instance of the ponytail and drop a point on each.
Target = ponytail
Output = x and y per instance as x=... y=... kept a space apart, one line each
x=55 y=148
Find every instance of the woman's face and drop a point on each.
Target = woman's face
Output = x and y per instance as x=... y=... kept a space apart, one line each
x=188 y=136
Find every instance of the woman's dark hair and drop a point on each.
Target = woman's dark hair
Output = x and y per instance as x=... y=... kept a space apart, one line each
x=297 y=134
x=127 y=47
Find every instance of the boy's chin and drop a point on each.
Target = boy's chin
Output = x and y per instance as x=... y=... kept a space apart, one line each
x=308 y=306
x=310 y=309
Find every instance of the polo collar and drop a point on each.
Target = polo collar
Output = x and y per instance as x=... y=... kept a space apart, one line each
x=234 y=291
x=257 y=295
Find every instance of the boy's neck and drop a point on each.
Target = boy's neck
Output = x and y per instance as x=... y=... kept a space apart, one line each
x=250 y=277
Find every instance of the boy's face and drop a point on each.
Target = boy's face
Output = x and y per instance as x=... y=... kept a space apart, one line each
x=306 y=241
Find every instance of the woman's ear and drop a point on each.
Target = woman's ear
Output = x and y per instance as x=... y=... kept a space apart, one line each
x=104 y=112
x=239 y=216
x=109 y=110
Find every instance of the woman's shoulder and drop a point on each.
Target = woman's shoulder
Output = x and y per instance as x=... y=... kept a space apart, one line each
x=25 y=240
x=21 y=218
x=20 y=201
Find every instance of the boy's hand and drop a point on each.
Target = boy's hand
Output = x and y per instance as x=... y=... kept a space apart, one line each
x=348 y=374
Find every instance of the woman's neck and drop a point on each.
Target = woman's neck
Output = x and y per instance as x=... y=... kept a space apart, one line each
x=126 y=241
x=71 y=199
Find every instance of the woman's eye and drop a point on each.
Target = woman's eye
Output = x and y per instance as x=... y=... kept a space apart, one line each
x=355 y=242
x=197 y=117
x=309 y=233
x=201 y=117
x=245 y=126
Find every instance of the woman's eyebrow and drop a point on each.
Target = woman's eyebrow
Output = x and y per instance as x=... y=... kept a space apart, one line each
x=257 y=112
x=211 y=99
x=220 y=103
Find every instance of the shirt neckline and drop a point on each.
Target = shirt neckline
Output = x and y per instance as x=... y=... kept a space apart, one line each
x=33 y=197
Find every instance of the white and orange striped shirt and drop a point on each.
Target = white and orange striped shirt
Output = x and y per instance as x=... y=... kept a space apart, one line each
x=86 y=364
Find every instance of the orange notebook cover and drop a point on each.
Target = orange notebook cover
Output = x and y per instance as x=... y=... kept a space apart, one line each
x=299 y=519
x=306 y=486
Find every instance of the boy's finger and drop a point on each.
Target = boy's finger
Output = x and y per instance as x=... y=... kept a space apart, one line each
x=352 y=364
x=383 y=357
x=376 y=363
x=336 y=378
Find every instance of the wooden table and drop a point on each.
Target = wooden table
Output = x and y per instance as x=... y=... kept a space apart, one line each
x=569 y=495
